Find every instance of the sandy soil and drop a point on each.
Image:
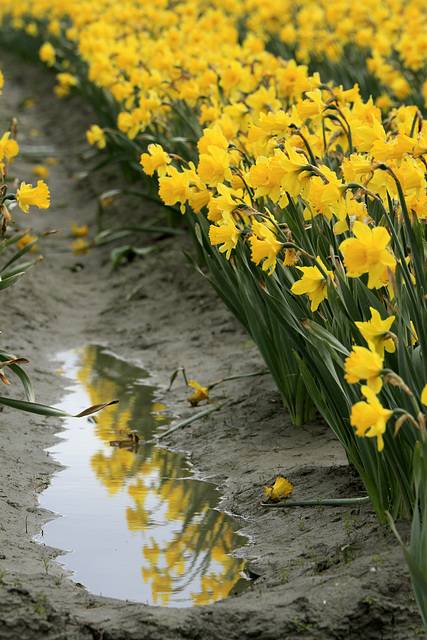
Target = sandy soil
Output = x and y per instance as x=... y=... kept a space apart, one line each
x=158 y=312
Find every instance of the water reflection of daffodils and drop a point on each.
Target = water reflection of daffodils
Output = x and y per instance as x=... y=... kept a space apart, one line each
x=180 y=559
x=195 y=554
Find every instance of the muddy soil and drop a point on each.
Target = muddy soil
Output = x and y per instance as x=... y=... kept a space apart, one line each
x=158 y=312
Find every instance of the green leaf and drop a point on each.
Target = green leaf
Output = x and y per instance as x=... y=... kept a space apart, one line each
x=325 y=335
x=7 y=282
x=46 y=410
x=18 y=254
x=127 y=252
x=110 y=235
x=419 y=580
x=193 y=263
x=26 y=382
x=21 y=267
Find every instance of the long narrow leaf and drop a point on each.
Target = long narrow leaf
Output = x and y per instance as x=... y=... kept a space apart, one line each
x=7 y=282
x=419 y=581
x=26 y=382
x=46 y=410
x=18 y=254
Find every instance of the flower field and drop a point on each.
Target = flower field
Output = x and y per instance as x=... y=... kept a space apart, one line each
x=292 y=139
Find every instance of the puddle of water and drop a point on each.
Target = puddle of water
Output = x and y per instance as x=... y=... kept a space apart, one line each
x=136 y=524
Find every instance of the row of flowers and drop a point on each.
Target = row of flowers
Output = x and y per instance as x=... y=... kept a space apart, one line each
x=140 y=52
x=307 y=199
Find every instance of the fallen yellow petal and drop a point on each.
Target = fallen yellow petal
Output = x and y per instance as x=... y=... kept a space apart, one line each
x=200 y=394
x=282 y=488
x=41 y=171
x=80 y=247
x=79 y=232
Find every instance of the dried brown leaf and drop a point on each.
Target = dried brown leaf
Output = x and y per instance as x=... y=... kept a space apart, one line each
x=94 y=408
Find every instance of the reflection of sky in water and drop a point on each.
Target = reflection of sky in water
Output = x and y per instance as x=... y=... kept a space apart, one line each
x=138 y=526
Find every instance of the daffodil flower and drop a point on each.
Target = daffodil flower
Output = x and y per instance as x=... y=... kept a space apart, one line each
x=96 y=136
x=214 y=167
x=8 y=148
x=313 y=283
x=297 y=169
x=200 y=394
x=364 y=364
x=79 y=232
x=174 y=188
x=80 y=247
x=377 y=332
x=47 y=54
x=28 y=195
x=264 y=246
x=226 y=234
x=155 y=160
x=370 y=417
x=282 y=488
x=26 y=240
x=41 y=171
x=367 y=253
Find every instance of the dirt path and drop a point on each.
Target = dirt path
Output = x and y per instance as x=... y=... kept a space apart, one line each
x=160 y=314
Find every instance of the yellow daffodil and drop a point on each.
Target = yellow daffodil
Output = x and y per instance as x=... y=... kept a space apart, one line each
x=266 y=176
x=79 y=232
x=198 y=198
x=26 y=240
x=212 y=137
x=214 y=167
x=134 y=121
x=47 y=54
x=40 y=171
x=367 y=253
x=174 y=187
x=264 y=246
x=281 y=489
x=65 y=82
x=370 y=417
x=373 y=138
x=275 y=122
x=80 y=247
x=8 y=147
x=313 y=283
x=96 y=136
x=225 y=234
x=155 y=160
x=377 y=332
x=200 y=394
x=27 y=195
x=291 y=257
x=226 y=201
x=364 y=364
x=296 y=180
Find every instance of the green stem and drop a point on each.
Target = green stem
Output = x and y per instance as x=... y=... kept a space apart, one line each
x=202 y=414
x=309 y=150
x=332 y=502
x=237 y=377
